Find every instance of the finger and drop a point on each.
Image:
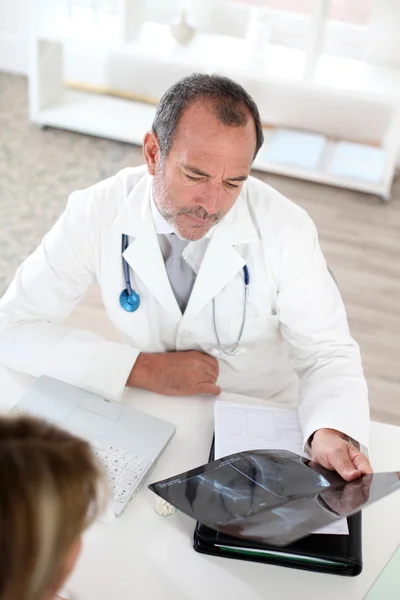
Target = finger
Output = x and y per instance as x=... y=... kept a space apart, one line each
x=353 y=496
x=209 y=369
x=208 y=388
x=360 y=461
x=366 y=487
x=341 y=462
x=211 y=376
x=211 y=361
x=204 y=362
x=316 y=466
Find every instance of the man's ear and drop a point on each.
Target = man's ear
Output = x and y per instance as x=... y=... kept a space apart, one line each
x=151 y=151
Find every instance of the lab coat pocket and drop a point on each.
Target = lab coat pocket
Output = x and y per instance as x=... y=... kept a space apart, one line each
x=259 y=340
x=256 y=327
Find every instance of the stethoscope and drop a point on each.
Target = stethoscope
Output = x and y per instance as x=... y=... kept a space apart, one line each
x=234 y=350
x=130 y=301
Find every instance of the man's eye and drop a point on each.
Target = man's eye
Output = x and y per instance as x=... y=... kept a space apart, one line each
x=193 y=178
x=231 y=185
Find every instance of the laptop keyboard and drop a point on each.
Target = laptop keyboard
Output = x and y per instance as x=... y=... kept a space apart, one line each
x=125 y=471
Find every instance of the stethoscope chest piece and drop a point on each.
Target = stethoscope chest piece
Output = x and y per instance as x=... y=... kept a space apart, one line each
x=129 y=302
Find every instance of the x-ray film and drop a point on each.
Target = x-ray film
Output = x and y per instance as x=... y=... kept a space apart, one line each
x=270 y=496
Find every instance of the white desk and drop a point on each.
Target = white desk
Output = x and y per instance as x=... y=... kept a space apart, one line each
x=146 y=557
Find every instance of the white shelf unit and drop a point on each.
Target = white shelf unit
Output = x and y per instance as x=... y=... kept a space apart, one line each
x=321 y=174
x=345 y=99
x=100 y=116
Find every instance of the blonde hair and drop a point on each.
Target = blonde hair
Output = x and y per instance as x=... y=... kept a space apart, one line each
x=48 y=481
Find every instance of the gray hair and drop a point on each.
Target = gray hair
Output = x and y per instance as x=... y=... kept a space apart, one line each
x=232 y=105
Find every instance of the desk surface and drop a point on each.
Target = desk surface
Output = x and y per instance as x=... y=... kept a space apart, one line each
x=143 y=556
x=388 y=584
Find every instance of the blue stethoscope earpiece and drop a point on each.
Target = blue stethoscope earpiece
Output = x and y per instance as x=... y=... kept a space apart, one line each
x=129 y=302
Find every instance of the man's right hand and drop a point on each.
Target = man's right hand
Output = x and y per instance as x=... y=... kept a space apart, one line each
x=176 y=373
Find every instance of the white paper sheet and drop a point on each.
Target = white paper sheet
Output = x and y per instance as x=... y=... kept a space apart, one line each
x=240 y=427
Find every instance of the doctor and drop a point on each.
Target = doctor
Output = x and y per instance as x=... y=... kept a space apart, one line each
x=213 y=279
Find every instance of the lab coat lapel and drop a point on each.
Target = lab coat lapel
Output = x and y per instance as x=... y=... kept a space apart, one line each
x=143 y=254
x=222 y=261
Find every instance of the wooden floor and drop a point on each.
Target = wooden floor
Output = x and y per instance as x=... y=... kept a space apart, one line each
x=361 y=240
x=360 y=236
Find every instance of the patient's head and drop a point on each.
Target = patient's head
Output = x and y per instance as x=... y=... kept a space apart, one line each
x=48 y=481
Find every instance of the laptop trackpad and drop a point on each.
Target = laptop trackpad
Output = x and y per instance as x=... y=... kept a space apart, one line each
x=103 y=407
x=87 y=423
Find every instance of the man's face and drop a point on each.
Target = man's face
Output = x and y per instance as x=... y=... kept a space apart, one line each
x=198 y=182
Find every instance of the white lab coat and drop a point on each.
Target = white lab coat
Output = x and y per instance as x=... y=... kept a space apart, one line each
x=295 y=341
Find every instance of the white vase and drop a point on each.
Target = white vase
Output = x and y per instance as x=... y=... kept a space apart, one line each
x=257 y=34
x=182 y=31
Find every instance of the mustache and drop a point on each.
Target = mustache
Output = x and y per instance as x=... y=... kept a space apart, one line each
x=201 y=213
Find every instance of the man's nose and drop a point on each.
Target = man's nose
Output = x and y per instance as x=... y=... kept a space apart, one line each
x=210 y=199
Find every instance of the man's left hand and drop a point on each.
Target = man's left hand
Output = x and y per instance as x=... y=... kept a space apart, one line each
x=331 y=450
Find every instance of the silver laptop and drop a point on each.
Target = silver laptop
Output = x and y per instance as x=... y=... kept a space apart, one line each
x=128 y=442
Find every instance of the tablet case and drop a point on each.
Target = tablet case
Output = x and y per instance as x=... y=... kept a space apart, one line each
x=335 y=554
